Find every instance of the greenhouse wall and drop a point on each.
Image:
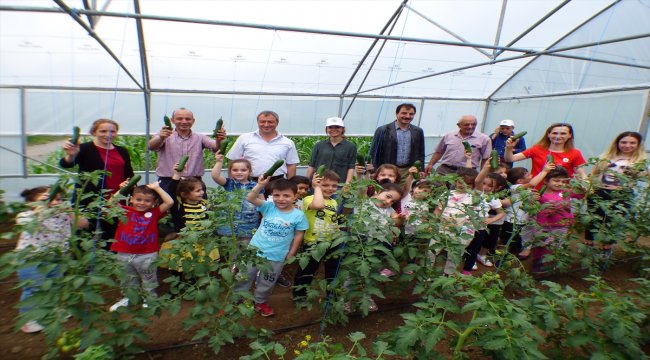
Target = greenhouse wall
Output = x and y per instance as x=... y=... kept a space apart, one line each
x=596 y=118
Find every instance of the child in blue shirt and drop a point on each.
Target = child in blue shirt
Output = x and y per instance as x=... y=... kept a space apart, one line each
x=277 y=239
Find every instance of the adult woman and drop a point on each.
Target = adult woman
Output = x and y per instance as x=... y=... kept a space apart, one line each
x=100 y=154
x=557 y=142
x=336 y=153
x=613 y=178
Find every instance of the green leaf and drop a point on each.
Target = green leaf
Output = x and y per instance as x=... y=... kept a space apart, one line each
x=357 y=336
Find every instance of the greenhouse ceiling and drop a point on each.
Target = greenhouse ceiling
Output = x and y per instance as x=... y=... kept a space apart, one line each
x=461 y=49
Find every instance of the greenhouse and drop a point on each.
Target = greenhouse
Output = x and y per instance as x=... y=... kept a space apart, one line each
x=67 y=63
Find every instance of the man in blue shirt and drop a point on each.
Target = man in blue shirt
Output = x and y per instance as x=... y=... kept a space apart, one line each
x=501 y=134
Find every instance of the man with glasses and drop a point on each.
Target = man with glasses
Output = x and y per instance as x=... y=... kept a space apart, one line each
x=399 y=143
x=336 y=153
x=501 y=134
x=451 y=151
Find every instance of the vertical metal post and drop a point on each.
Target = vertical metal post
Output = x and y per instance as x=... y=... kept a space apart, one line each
x=23 y=129
x=485 y=113
x=420 y=112
x=341 y=98
x=645 y=118
x=146 y=86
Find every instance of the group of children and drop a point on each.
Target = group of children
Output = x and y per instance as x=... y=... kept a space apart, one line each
x=294 y=221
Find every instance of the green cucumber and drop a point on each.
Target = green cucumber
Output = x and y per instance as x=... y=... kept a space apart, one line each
x=168 y=123
x=468 y=146
x=182 y=162
x=361 y=159
x=550 y=159
x=519 y=135
x=321 y=171
x=542 y=190
x=126 y=190
x=76 y=134
x=418 y=165
x=273 y=168
x=55 y=190
x=224 y=146
x=494 y=161
x=218 y=126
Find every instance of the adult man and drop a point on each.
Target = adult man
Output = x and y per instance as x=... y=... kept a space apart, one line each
x=501 y=134
x=171 y=145
x=399 y=143
x=336 y=153
x=265 y=146
x=451 y=152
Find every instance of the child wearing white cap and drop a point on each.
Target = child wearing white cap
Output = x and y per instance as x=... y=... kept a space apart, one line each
x=501 y=134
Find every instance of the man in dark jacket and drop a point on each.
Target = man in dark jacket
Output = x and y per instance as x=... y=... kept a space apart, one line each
x=399 y=143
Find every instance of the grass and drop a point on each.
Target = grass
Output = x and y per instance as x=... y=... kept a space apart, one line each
x=44 y=139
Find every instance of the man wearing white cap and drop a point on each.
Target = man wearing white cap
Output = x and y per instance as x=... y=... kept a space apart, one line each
x=336 y=153
x=501 y=134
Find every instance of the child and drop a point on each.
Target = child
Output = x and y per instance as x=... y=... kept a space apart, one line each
x=499 y=183
x=52 y=232
x=415 y=209
x=486 y=183
x=516 y=228
x=555 y=217
x=239 y=178
x=455 y=214
x=136 y=240
x=320 y=210
x=304 y=185
x=188 y=211
x=277 y=239
x=379 y=215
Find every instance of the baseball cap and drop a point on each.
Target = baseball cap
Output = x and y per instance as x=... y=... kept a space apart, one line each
x=507 y=122
x=334 y=121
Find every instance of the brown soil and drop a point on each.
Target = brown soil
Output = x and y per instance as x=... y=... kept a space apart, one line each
x=170 y=341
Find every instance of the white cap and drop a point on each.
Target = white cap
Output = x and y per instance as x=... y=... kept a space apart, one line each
x=334 y=121
x=507 y=122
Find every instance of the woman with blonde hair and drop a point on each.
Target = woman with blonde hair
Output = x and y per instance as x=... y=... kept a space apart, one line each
x=614 y=177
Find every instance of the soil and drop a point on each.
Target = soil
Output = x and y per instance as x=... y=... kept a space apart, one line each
x=169 y=341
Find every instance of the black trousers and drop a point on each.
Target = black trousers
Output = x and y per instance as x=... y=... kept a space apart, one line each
x=305 y=276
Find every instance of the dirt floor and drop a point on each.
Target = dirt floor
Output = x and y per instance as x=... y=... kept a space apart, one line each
x=169 y=341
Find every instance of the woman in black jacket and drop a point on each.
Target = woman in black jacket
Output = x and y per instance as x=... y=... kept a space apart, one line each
x=100 y=154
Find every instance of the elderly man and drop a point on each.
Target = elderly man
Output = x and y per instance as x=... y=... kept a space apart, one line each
x=265 y=146
x=336 y=153
x=501 y=134
x=451 y=152
x=172 y=144
x=399 y=143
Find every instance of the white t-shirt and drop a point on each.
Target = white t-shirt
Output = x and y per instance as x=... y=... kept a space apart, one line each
x=414 y=210
x=486 y=205
x=53 y=231
x=263 y=154
x=515 y=214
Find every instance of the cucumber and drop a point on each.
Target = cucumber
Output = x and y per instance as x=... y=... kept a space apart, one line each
x=168 y=123
x=218 y=127
x=55 y=190
x=361 y=159
x=224 y=146
x=181 y=164
x=518 y=135
x=126 y=190
x=468 y=147
x=321 y=170
x=542 y=190
x=418 y=165
x=550 y=159
x=273 y=168
x=76 y=134
x=494 y=161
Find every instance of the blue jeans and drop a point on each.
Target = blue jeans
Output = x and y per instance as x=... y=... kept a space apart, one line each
x=36 y=278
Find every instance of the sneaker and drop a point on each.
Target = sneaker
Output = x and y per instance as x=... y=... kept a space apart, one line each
x=466 y=273
x=486 y=262
x=145 y=305
x=475 y=267
x=31 y=327
x=387 y=273
x=283 y=281
x=372 y=305
x=524 y=254
x=264 y=309
x=119 y=304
